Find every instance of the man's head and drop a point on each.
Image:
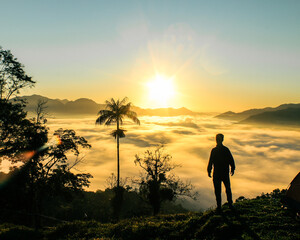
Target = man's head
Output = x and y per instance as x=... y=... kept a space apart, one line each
x=219 y=138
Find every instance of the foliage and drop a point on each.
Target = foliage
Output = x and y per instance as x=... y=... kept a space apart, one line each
x=158 y=184
x=12 y=232
x=115 y=112
x=259 y=218
x=133 y=208
x=111 y=182
x=45 y=171
x=17 y=133
x=12 y=75
x=90 y=206
x=53 y=168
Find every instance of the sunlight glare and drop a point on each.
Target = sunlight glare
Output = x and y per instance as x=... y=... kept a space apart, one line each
x=161 y=90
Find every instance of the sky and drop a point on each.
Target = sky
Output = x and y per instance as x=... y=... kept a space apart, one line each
x=218 y=55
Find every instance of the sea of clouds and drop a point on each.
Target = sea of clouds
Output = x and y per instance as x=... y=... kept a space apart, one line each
x=266 y=158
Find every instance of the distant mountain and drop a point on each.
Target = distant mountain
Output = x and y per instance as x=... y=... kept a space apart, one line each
x=82 y=106
x=241 y=115
x=54 y=105
x=253 y=112
x=63 y=101
x=85 y=106
x=289 y=116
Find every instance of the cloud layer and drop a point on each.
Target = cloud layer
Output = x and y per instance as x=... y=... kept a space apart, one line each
x=265 y=158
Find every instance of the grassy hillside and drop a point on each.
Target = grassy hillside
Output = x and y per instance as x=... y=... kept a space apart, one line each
x=259 y=218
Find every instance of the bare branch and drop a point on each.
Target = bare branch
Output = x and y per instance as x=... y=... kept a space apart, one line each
x=41 y=110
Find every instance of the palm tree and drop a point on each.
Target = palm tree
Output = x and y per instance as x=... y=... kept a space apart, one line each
x=115 y=112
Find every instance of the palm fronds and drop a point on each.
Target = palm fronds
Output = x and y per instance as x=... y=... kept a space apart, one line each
x=115 y=112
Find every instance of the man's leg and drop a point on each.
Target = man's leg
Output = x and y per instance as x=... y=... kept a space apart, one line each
x=217 y=186
x=226 y=181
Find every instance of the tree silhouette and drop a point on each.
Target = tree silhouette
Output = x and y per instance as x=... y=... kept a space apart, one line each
x=114 y=113
x=158 y=185
x=41 y=111
x=12 y=75
x=40 y=169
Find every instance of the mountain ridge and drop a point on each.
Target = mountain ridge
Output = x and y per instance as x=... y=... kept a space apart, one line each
x=241 y=116
x=86 y=106
x=288 y=116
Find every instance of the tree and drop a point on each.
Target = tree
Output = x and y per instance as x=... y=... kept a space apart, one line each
x=41 y=111
x=115 y=112
x=14 y=127
x=158 y=184
x=12 y=75
x=44 y=167
x=111 y=182
x=17 y=133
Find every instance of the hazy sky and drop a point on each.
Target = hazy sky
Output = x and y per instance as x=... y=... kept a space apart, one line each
x=222 y=55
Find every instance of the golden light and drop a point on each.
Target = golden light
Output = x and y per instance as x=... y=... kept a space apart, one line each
x=161 y=91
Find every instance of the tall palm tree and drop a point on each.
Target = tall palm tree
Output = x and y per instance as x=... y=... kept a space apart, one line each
x=115 y=112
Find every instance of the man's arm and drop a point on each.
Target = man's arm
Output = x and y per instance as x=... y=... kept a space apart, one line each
x=231 y=162
x=210 y=163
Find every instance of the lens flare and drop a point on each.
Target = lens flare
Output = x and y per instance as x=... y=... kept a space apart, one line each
x=56 y=140
x=27 y=155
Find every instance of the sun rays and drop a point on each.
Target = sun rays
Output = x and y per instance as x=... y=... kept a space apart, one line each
x=161 y=90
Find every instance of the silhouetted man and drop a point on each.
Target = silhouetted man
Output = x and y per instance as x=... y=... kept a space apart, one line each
x=220 y=159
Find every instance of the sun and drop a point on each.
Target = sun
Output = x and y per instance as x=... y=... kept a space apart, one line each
x=161 y=90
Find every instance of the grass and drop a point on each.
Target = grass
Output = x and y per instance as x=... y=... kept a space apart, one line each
x=259 y=218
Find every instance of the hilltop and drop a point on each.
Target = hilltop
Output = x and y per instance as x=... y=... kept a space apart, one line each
x=258 y=218
x=86 y=106
x=288 y=114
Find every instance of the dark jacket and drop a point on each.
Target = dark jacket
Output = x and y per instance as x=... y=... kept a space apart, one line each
x=220 y=158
